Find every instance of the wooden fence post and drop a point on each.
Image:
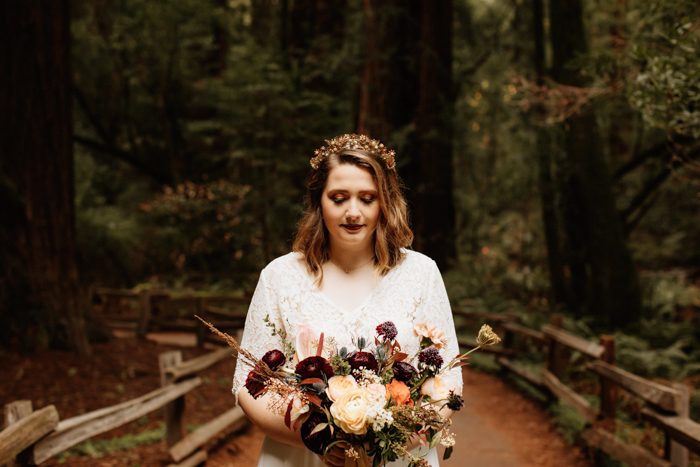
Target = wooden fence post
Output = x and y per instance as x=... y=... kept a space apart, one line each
x=12 y=413
x=175 y=409
x=144 y=314
x=200 y=330
x=556 y=358
x=676 y=452
x=608 y=390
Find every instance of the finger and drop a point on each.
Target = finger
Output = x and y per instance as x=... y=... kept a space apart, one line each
x=333 y=462
x=336 y=458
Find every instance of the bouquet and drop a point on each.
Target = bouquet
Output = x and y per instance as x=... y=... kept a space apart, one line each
x=373 y=402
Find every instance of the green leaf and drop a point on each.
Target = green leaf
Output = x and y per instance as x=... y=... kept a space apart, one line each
x=320 y=427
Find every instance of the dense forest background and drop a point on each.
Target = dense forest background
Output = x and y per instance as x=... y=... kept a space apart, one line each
x=550 y=152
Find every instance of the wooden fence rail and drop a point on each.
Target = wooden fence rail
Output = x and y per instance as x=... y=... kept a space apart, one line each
x=144 y=311
x=667 y=407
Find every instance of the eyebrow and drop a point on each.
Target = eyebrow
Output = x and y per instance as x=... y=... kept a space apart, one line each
x=343 y=190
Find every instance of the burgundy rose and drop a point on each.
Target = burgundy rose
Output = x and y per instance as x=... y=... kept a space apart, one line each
x=403 y=371
x=274 y=359
x=318 y=441
x=314 y=367
x=363 y=359
x=387 y=330
x=255 y=384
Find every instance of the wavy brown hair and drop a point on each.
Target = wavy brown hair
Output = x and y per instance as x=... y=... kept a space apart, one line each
x=392 y=233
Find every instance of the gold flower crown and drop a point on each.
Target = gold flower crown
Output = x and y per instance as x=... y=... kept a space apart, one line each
x=353 y=141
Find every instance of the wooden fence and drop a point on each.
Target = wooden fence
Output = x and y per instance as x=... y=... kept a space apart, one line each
x=666 y=407
x=32 y=437
x=163 y=310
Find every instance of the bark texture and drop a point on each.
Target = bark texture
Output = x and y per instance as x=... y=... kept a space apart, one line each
x=406 y=100
x=39 y=293
x=602 y=276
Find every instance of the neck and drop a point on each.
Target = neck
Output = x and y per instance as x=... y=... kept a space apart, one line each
x=351 y=259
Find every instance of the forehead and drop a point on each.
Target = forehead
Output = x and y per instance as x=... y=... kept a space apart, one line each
x=351 y=178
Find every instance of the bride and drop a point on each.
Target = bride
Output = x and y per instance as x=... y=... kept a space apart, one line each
x=349 y=270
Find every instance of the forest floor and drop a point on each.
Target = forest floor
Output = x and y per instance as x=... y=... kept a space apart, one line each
x=498 y=426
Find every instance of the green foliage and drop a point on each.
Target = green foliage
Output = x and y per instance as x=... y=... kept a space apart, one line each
x=200 y=223
x=665 y=48
x=636 y=355
x=97 y=448
x=569 y=422
x=173 y=94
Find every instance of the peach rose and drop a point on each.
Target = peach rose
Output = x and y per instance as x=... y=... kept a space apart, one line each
x=339 y=385
x=429 y=331
x=435 y=388
x=399 y=392
x=350 y=411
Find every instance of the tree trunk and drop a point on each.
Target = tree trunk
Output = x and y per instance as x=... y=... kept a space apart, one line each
x=558 y=293
x=406 y=101
x=39 y=293
x=603 y=277
x=433 y=202
x=388 y=90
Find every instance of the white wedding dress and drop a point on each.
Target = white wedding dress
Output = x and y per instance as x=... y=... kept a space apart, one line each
x=413 y=292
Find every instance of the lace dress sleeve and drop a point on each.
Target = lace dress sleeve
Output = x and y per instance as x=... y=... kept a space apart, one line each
x=438 y=312
x=257 y=336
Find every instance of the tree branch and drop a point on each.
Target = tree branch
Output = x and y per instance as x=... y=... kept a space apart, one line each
x=660 y=150
x=160 y=177
x=639 y=202
x=108 y=144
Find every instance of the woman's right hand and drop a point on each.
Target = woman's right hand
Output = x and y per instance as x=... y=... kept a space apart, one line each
x=335 y=457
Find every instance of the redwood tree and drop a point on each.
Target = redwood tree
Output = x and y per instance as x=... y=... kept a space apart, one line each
x=406 y=100
x=603 y=278
x=39 y=293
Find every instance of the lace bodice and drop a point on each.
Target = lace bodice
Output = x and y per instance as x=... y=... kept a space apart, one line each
x=413 y=292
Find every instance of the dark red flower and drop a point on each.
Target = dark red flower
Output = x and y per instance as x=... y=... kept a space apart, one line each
x=314 y=367
x=363 y=359
x=387 y=330
x=274 y=359
x=430 y=356
x=318 y=441
x=403 y=371
x=255 y=384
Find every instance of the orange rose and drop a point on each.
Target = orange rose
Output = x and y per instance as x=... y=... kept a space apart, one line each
x=399 y=392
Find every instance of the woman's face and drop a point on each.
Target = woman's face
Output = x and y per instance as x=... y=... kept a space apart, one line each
x=350 y=207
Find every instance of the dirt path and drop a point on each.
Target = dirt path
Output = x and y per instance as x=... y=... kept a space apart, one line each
x=499 y=427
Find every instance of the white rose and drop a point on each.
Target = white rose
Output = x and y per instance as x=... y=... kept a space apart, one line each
x=339 y=385
x=350 y=411
x=435 y=388
x=376 y=393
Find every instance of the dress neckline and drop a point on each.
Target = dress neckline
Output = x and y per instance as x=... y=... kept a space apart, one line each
x=368 y=299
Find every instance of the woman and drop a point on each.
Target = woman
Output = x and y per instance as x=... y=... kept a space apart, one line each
x=349 y=271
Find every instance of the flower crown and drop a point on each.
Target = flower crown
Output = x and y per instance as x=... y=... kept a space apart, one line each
x=353 y=141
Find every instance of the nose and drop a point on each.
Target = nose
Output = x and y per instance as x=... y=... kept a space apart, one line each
x=353 y=212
